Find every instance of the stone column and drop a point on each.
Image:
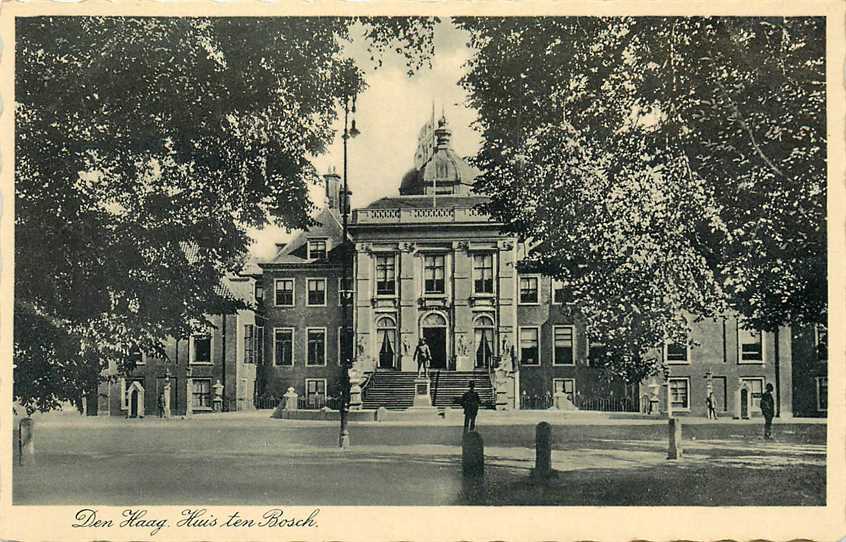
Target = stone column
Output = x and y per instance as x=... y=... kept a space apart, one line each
x=408 y=290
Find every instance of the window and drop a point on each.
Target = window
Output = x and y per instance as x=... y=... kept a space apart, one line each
x=258 y=349
x=557 y=292
x=345 y=289
x=822 y=342
x=676 y=352
x=316 y=249
x=200 y=349
x=483 y=282
x=433 y=272
x=529 y=290
x=751 y=346
x=201 y=393
x=565 y=385
x=385 y=274
x=597 y=352
x=283 y=346
x=563 y=347
x=316 y=292
x=386 y=341
x=345 y=343
x=249 y=343
x=315 y=346
x=822 y=393
x=259 y=291
x=316 y=392
x=529 y=341
x=756 y=389
x=679 y=395
x=484 y=341
x=284 y=292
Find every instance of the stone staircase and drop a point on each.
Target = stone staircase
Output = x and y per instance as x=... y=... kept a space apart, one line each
x=395 y=390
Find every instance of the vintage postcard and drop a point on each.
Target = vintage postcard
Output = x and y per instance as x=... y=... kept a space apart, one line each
x=422 y=271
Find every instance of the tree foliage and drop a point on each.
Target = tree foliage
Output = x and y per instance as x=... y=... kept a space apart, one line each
x=145 y=148
x=665 y=167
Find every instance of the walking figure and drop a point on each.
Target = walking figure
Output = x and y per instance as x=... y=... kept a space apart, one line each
x=712 y=410
x=768 y=411
x=470 y=401
x=423 y=356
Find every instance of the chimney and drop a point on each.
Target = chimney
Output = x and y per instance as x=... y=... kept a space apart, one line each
x=333 y=189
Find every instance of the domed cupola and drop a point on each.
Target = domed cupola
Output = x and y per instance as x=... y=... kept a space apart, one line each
x=443 y=172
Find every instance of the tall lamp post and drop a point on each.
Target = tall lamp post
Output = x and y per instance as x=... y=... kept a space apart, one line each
x=350 y=131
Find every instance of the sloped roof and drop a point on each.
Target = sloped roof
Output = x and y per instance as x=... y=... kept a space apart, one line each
x=328 y=226
x=240 y=289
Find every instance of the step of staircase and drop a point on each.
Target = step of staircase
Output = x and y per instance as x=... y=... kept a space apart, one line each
x=395 y=390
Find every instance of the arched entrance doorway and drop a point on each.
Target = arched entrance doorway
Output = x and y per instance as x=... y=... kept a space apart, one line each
x=433 y=328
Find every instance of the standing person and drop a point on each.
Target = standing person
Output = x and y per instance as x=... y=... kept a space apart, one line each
x=768 y=411
x=470 y=401
x=161 y=405
x=712 y=409
x=422 y=355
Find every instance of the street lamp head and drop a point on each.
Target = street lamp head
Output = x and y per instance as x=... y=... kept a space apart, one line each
x=353 y=130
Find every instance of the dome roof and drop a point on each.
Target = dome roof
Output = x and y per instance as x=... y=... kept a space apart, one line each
x=444 y=171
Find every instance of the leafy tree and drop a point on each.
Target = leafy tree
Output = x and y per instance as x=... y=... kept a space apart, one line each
x=145 y=149
x=662 y=166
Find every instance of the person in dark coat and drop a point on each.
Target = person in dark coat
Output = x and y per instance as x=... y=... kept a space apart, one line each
x=768 y=411
x=470 y=401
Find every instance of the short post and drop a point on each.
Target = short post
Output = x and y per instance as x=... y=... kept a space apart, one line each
x=26 y=442
x=381 y=414
x=473 y=455
x=543 y=451
x=674 y=451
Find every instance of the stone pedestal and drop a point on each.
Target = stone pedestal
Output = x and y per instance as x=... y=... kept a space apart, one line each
x=463 y=363
x=355 y=389
x=422 y=395
x=291 y=399
x=502 y=383
x=561 y=401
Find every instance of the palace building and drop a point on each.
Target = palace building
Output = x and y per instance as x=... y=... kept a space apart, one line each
x=429 y=264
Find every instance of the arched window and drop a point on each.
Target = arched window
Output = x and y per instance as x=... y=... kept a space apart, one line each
x=386 y=333
x=484 y=340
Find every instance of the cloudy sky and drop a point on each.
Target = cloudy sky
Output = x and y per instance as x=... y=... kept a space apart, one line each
x=390 y=114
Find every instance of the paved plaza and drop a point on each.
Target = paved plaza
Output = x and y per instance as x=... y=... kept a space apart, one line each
x=254 y=460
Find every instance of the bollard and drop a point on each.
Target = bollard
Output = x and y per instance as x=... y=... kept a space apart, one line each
x=675 y=434
x=543 y=451
x=381 y=414
x=26 y=442
x=473 y=455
